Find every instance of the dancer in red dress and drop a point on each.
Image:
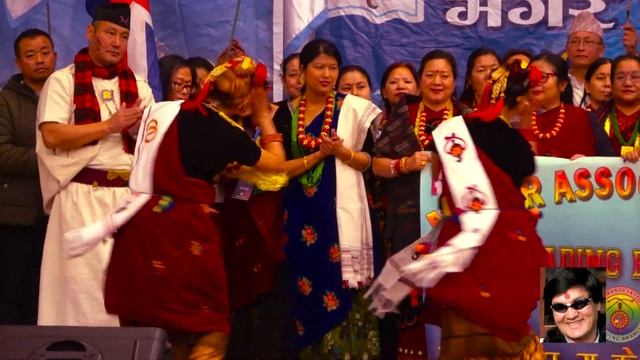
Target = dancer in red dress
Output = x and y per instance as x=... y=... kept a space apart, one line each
x=167 y=267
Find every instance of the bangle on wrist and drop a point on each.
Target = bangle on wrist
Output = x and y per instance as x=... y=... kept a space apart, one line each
x=369 y=161
x=352 y=154
x=304 y=162
x=403 y=165
x=267 y=139
x=395 y=167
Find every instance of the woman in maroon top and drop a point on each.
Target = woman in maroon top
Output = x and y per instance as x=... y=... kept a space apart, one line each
x=620 y=118
x=557 y=128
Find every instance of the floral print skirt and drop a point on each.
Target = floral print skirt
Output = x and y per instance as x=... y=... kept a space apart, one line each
x=356 y=338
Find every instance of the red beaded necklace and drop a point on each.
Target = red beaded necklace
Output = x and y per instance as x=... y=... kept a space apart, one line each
x=556 y=127
x=307 y=140
x=421 y=124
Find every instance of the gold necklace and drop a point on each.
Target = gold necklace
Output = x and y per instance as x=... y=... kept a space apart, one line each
x=421 y=124
x=224 y=116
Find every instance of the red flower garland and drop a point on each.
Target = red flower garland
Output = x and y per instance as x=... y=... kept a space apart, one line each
x=310 y=142
x=421 y=123
x=556 y=127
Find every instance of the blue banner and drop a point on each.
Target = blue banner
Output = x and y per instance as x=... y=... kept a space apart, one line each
x=406 y=30
x=589 y=208
x=369 y=33
x=186 y=28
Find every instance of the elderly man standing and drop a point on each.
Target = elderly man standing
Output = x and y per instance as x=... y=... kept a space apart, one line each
x=86 y=113
x=585 y=44
x=22 y=221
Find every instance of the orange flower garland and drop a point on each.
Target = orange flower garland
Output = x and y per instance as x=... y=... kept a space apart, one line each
x=310 y=142
x=556 y=127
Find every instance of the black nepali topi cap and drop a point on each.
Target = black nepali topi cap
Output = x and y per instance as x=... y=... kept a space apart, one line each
x=119 y=14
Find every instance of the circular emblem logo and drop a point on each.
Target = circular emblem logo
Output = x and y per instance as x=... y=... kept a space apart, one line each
x=455 y=146
x=474 y=199
x=623 y=314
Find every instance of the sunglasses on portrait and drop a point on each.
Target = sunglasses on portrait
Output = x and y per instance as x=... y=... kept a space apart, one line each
x=578 y=304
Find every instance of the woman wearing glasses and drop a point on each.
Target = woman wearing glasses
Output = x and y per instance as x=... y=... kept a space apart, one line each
x=557 y=128
x=620 y=117
x=177 y=78
x=575 y=300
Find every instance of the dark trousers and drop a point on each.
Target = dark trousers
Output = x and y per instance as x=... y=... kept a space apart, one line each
x=20 y=257
x=266 y=328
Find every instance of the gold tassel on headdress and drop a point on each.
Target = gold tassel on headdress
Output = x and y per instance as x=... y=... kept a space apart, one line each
x=499 y=80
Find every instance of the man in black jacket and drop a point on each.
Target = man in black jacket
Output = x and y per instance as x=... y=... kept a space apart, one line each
x=22 y=220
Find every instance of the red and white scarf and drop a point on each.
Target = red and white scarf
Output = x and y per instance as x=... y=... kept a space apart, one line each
x=87 y=109
x=468 y=181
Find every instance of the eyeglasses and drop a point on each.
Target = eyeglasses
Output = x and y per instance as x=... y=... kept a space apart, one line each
x=180 y=87
x=576 y=42
x=578 y=304
x=546 y=76
x=622 y=77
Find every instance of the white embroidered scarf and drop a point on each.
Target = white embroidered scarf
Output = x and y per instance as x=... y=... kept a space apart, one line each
x=471 y=192
x=352 y=209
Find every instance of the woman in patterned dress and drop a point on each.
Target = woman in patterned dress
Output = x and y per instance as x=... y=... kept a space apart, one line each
x=327 y=142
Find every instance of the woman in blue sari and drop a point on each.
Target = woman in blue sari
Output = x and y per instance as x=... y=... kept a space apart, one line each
x=329 y=247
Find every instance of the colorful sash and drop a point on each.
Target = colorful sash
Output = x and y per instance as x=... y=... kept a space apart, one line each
x=625 y=145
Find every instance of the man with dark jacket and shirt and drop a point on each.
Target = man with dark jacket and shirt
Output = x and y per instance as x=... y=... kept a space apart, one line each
x=22 y=220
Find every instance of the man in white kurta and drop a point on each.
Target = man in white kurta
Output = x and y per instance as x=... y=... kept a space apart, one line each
x=71 y=289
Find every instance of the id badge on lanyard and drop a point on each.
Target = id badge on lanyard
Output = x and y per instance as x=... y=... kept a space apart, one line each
x=244 y=189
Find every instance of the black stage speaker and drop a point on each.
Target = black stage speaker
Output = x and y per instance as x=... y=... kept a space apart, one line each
x=83 y=343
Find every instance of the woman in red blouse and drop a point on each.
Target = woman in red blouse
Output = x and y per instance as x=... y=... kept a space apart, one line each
x=557 y=128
